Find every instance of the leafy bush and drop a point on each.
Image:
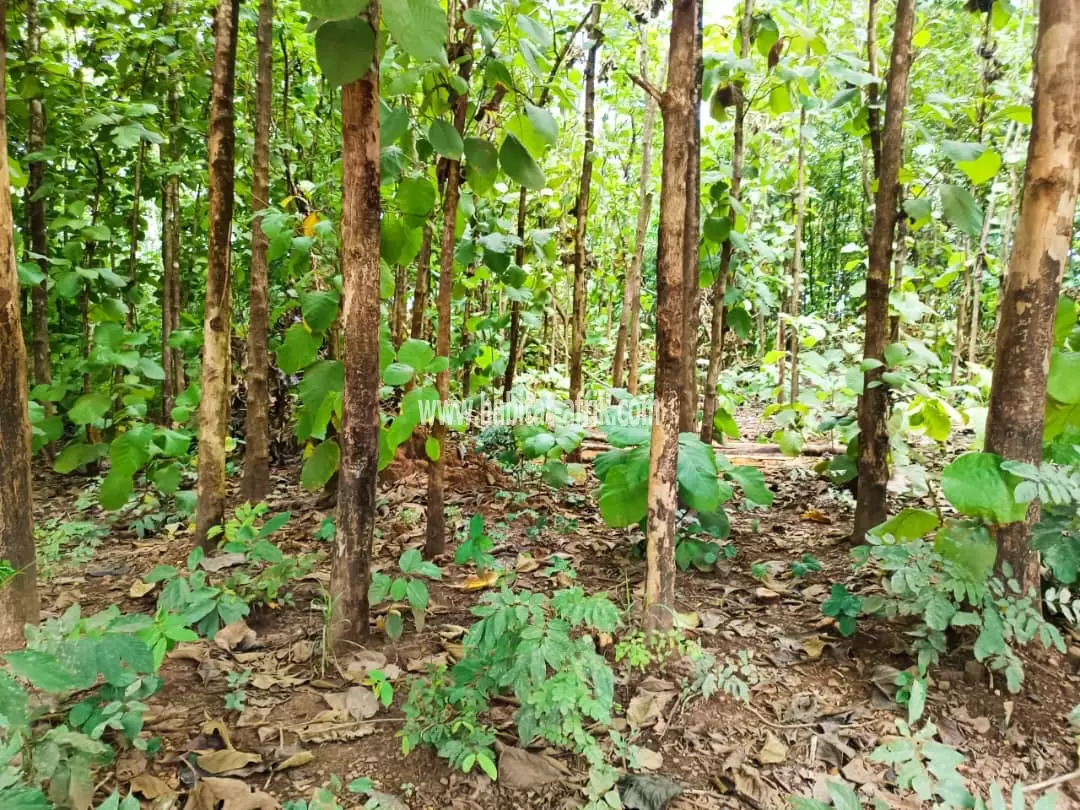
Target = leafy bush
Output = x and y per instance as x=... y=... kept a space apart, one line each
x=408 y=587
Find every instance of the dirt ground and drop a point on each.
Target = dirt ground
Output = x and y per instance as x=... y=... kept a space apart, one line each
x=820 y=705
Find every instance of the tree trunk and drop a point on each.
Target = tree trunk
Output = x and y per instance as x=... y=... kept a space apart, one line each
x=781 y=346
x=19 y=597
x=171 y=358
x=873 y=403
x=872 y=96
x=133 y=242
x=1014 y=423
x=688 y=402
x=515 y=306
x=361 y=209
x=898 y=273
x=577 y=318
x=719 y=287
x=976 y=287
x=257 y=424
x=675 y=106
x=397 y=313
x=423 y=276
x=797 y=257
x=961 y=318
x=35 y=204
x=217 y=325
x=435 y=536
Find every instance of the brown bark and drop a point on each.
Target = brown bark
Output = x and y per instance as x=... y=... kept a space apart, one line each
x=217 y=324
x=873 y=98
x=782 y=346
x=361 y=208
x=435 y=534
x=577 y=317
x=18 y=597
x=257 y=420
x=397 y=310
x=133 y=229
x=961 y=318
x=423 y=276
x=719 y=287
x=873 y=403
x=898 y=273
x=688 y=401
x=35 y=204
x=1014 y=424
x=171 y=359
x=797 y=256
x=675 y=106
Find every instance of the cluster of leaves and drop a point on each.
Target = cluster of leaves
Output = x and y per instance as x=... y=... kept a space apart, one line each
x=409 y=588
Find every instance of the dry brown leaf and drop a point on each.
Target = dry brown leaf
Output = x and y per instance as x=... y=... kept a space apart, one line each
x=130 y=764
x=228 y=794
x=478 y=582
x=526 y=563
x=647 y=707
x=688 y=620
x=150 y=787
x=226 y=760
x=357 y=702
x=772 y=751
x=295 y=761
x=814 y=646
x=235 y=636
x=222 y=561
x=139 y=588
x=766 y=594
x=816 y=516
x=648 y=759
x=522 y=770
x=188 y=652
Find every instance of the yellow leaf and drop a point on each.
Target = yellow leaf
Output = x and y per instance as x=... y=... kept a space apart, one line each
x=477 y=582
x=815 y=516
x=140 y=588
x=310 y=221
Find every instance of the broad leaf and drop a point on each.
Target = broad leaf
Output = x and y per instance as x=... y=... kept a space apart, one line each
x=519 y=164
x=418 y=26
x=344 y=50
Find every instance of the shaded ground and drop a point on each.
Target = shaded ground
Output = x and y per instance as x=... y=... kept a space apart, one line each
x=820 y=705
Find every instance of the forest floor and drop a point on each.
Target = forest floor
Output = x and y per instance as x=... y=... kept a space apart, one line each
x=820 y=705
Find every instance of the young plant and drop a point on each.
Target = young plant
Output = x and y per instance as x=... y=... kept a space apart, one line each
x=844 y=607
x=476 y=548
x=236 y=697
x=409 y=588
x=808 y=564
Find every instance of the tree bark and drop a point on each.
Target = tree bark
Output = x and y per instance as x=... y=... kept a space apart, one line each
x=719 y=287
x=873 y=98
x=577 y=318
x=397 y=311
x=873 y=458
x=898 y=272
x=171 y=358
x=1014 y=423
x=19 y=597
x=214 y=407
x=797 y=256
x=675 y=106
x=688 y=402
x=35 y=204
x=435 y=534
x=257 y=423
x=423 y=276
x=361 y=210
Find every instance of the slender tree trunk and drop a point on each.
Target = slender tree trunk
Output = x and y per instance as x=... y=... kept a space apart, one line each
x=873 y=404
x=675 y=106
x=688 y=402
x=397 y=314
x=19 y=597
x=797 y=257
x=1014 y=423
x=217 y=326
x=171 y=358
x=719 y=288
x=257 y=425
x=961 y=319
x=423 y=276
x=361 y=210
x=873 y=98
x=435 y=536
x=134 y=229
x=976 y=287
x=515 y=306
x=577 y=318
x=781 y=346
x=898 y=273
x=35 y=204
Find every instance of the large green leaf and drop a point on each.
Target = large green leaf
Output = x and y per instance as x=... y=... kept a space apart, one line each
x=416 y=353
x=319 y=308
x=1063 y=383
x=344 y=50
x=961 y=209
x=983 y=168
x=481 y=155
x=969 y=546
x=333 y=9
x=320 y=466
x=543 y=122
x=89 y=408
x=418 y=26
x=699 y=486
x=299 y=349
x=623 y=496
x=116 y=489
x=445 y=139
x=977 y=486
x=519 y=164
x=416 y=195
x=752 y=481
x=907 y=525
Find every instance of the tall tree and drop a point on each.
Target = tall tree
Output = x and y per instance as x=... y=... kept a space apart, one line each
x=19 y=597
x=257 y=420
x=423 y=274
x=1040 y=253
x=627 y=342
x=172 y=359
x=719 y=287
x=797 y=253
x=361 y=211
x=688 y=402
x=678 y=118
x=217 y=322
x=873 y=458
x=577 y=317
x=435 y=533
x=35 y=200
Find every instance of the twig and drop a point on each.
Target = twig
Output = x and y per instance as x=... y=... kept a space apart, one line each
x=1057 y=780
x=648 y=87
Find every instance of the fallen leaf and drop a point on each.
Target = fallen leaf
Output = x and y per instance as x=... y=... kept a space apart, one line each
x=814 y=646
x=301 y=652
x=140 y=588
x=296 y=760
x=235 y=636
x=816 y=516
x=223 y=561
x=766 y=594
x=478 y=582
x=226 y=760
x=857 y=772
x=648 y=759
x=188 y=652
x=357 y=702
x=772 y=751
x=526 y=563
x=228 y=794
x=150 y=787
x=688 y=620
x=130 y=764
x=522 y=770
x=647 y=792
x=646 y=708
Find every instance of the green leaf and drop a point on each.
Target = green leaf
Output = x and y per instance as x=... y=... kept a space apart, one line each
x=320 y=466
x=543 y=122
x=916 y=701
x=89 y=408
x=978 y=487
x=907 y=525
x=432 y=448
x=780 y=100
x=333 y=9
x=699 y=487
x=1063 y=383
x=116 y=489
x=395 y=625
x=397 y=374
x=918 y=209
x=968 y=546
x=415 y=353
x=43 y=670
x=983 y=168
x=416 y=593
x=416 y=195
x=752 y=481
x=445 y=139
x=319 y=309
x=418 y=26
x=344 y=50
x=961 y=209
x=519 y=164
x=482 y=155
x=624 y=496
x=843 y=796
x=298 y=350
x=168 y=478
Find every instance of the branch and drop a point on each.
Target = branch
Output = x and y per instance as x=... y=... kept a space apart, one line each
x=648 y=87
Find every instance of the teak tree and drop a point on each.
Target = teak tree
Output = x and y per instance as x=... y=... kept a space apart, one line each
x=217 y=321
